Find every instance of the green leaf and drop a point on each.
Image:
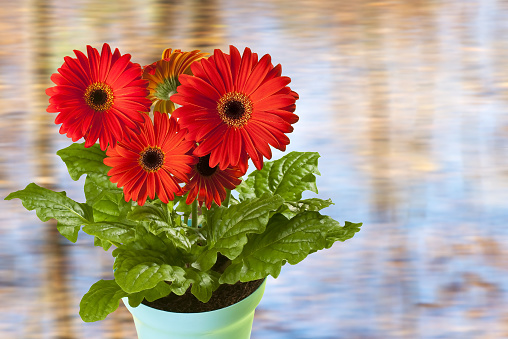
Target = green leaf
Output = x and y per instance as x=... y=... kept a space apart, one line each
x=111 y=207
x=97 y=185
x=102 y=299
x=182 y=207
x=246 y=189
x=92 y=190
x=106 y=209
x=161 y=219
x=122 y=231
x=138 y=270
x=148 y=240
x=202 y=283
x=150 y=213
x=338 y=233
x=69 y=231
x=228 y=228
x=292 y=208
x=49 y=204
x=283 y=241
x=101 y=243
x=287 y=177
x=160 y=290
x=313 y=204
x=81 y=160
x=137 y=298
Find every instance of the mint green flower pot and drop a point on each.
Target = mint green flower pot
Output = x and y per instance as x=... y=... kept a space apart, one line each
x=232 y=322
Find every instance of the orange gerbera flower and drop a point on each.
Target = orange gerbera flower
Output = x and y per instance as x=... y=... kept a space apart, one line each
x=153 y=162
x=163 y=76
x=236 y=106
x=98 y=97
x=209 y=184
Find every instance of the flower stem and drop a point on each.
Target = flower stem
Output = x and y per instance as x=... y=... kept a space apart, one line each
x=195 y=214
x=228 y=195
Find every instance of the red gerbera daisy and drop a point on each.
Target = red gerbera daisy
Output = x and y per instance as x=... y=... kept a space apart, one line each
x=236 y=106
x=153 y=162
x=99 y=96
x=209 y=184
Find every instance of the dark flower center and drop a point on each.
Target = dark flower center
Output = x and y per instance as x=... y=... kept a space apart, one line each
x=151 y=159
x=99 y=96
x=235 y=109
x=203 y=166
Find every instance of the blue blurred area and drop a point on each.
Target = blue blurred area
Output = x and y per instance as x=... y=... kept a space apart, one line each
x=406 y=101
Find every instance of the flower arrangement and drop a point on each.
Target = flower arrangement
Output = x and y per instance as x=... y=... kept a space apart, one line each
x=158 y=184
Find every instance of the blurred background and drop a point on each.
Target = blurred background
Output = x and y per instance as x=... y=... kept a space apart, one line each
x=406 y=101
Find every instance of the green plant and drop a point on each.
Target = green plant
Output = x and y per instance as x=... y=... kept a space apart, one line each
x=163 y=247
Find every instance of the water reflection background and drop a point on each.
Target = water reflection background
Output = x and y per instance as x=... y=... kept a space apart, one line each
x=405 y=100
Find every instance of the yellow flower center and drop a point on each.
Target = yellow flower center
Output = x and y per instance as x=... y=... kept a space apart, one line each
x=151 y=159
x=99 y=97
x=235 y=109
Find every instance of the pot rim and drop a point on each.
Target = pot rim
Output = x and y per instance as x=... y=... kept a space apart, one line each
x=141 y=307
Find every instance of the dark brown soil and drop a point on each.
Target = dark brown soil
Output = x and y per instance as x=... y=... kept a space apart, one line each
x=224 y=296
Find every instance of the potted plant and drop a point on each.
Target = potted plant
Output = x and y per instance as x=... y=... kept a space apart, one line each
x=189 y=255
